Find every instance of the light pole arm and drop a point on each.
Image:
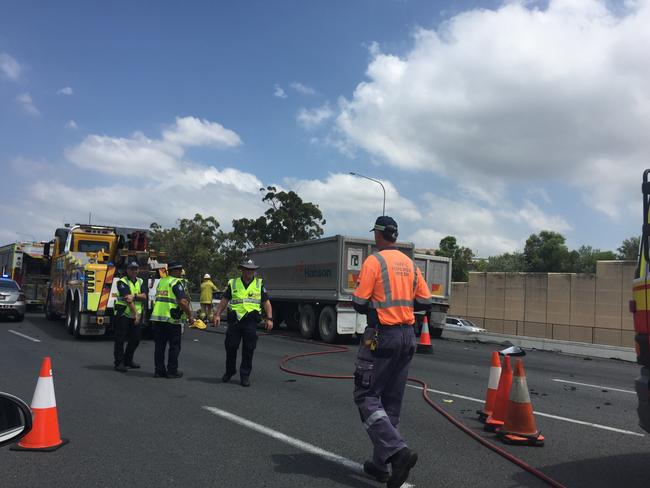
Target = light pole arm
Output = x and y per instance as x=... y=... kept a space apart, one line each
x=383 y=210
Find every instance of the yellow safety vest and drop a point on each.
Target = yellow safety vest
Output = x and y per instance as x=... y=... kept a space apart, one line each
x=136 y=289
x=166 y=301
x=243 y=299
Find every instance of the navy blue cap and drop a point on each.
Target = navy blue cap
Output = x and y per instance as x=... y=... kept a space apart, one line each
x=174 y=265
x=248 y=264
x=132 y=264
x=382 y=222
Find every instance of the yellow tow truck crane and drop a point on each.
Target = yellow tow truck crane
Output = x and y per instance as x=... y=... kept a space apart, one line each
x=83 y=274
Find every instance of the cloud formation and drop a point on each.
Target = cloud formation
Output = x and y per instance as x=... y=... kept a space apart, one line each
x=515 y=94
x=66 y=91
x=26 y=102
x=9 y=67
x=312 y=118
x=71 y=124
x=302 y=89
x=279 y=92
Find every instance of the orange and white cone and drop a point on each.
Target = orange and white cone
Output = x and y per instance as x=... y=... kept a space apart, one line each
x=498 y=416
x=44 y=435
x=492 y=388
x=519 y=427
x=424 y=344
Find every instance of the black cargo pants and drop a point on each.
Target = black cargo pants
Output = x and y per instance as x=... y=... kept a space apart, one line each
x=125 y=331
x=245 y=331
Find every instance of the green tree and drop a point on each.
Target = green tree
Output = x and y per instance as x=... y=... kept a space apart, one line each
x=547 y=252
x=508 y=262
x=585 y=259
x=629 y=249
x=461 y=257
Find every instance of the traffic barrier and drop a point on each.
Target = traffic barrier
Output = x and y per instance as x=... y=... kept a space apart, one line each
x=519 y=426
x=492 y=388
x=498 y=416
x=44 y=435
x=424 y=344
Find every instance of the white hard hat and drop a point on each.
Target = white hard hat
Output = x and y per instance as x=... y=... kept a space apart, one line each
x=206 y=276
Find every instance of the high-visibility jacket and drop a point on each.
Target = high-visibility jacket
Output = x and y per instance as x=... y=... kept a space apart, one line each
x=207 y=289
x=391 y=283
x=135 y=290
x=245 y=299
x=166 y=301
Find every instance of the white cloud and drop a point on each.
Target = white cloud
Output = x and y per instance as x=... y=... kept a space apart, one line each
x=28 y=166
x=26 y=102
x=66 y=91
x=312 y=118
x=71 y=124
x=516 y=94
x=159 y=158
x=302 y=89
x=9 y=67
x=279 y=92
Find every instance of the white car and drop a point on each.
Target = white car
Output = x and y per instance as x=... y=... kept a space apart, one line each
x=462 y=326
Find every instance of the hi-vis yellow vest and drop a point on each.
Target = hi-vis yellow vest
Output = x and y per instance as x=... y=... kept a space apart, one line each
x=135 y=290
x=244 y=299
x=165 y=301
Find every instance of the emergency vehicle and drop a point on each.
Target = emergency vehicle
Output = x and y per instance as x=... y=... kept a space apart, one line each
x=26 y=264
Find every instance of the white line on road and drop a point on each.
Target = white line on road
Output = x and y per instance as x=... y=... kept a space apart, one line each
x=24 y=336
x=292 y=441
x=594 y=386
x=541 y=414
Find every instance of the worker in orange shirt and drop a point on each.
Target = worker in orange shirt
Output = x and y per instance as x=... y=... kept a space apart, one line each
x=389 y=289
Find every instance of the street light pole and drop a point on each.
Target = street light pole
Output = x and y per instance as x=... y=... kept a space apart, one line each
x=383 y=210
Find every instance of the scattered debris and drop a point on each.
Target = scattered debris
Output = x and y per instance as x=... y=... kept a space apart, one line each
x=605 y=391
x=587 y=359
x=447 y=400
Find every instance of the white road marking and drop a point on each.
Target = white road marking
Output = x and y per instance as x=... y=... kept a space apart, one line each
x=292 y=441
x=594 y=386
x=541 y=414
x=24 y=336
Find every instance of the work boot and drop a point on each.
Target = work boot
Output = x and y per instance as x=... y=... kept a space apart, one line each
x=175 y=374
x=375 y=473
x=402 y=462
x=158 y=374
x=132 y=365
x=245 y=381
x=120 y=367
x=226 y=377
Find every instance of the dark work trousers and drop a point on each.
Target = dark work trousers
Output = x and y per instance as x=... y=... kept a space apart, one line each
x=164 y=333
x=379 y=383
x=125 y=331
x=245 y=331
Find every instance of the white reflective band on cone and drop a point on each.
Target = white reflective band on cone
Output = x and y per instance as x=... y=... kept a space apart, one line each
x=495 y=374
x=44 y=393
x=519 y=390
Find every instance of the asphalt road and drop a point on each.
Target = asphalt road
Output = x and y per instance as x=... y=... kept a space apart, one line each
x=291 y=431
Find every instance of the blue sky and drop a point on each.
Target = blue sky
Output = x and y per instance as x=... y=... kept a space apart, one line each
x=485 y=120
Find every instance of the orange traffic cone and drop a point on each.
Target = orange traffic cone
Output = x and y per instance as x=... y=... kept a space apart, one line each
x=498 y=416
x=424 y=344
x=519 y=427
x=492 y=389
x=44 y=435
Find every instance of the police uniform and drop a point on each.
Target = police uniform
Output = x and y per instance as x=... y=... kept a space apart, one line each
x=124 y=326
x=244 y=314
x=389 y=288
x=167 y=316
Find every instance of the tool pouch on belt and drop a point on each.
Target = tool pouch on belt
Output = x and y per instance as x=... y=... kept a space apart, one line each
x=176 y=313
x=364 y=371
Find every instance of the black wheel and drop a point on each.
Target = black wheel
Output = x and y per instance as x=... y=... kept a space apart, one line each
x=49 y=313
x=278 y=317
x=307 y=324
x=19 y=318
x=292 y=318
x=76 y=331
x=436 y=333
x=327 y=325
x=69 y=316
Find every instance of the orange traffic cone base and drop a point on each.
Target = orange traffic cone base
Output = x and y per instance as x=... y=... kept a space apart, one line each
x=424 y=349
x=483 y=415
x=18 y=447
x=491 y=425
x=536 y=440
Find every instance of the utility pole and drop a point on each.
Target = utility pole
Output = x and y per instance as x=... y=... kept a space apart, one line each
x=383 y=210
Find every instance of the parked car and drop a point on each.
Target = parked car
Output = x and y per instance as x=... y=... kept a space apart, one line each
x=463 y=326
x=15 y=419
x=12 y=300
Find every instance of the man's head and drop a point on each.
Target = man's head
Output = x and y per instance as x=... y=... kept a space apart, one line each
x=132 y=270
x=247 y=267
x=385 y=230
x=175 y=269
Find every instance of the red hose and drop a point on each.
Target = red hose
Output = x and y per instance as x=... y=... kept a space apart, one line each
x=501 y=452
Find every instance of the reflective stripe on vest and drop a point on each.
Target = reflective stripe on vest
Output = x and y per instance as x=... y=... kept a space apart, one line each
x=136 y=289
x=165 y=301
x=388 y=294
x=244 y=300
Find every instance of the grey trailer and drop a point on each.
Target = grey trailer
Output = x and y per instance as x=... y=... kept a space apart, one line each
x=437 y=273
x=311 y=283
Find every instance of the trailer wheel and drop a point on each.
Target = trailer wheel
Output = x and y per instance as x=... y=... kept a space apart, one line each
x=79 y=317
x=69 y=315
x=436 y=333
x=307 y=321
x=292 y=318
x=327 y=325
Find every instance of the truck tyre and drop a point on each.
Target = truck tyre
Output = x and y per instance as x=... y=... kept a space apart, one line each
x=74 y=312
x=308 y=324
x=436 y=333
x=49 y=313
x=69 y=315
x=327 y=325
x=82 y=319
x=292 y=318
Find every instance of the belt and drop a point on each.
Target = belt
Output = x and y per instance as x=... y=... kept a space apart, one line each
x=401 y=326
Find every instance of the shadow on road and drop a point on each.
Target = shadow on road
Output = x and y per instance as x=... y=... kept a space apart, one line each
x=628 y=470
x=131 y=372
x=212 y=380
x=317 y=467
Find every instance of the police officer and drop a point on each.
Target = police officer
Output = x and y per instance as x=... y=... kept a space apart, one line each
x=389 y=288
x=246 y=296
x=170 y=305
x=132 y=293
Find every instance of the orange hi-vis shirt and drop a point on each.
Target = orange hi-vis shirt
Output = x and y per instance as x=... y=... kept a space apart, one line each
x=390 y=283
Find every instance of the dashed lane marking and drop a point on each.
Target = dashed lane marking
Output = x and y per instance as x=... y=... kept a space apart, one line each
x=594 y=386
x=541 y=414
x=24 y=336
x=292 y=441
